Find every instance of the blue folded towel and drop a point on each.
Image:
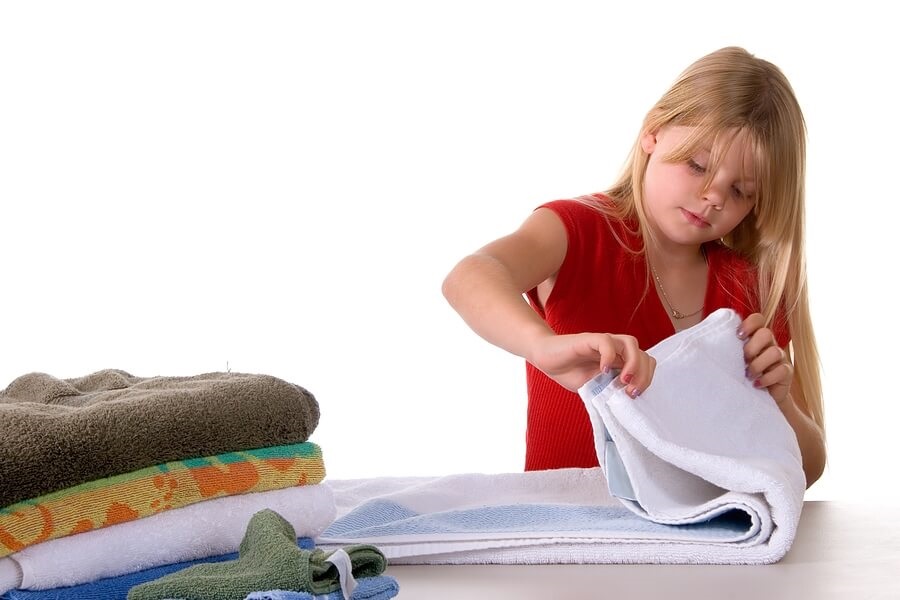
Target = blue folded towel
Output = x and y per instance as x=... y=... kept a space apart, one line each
x=380 y=587
x=116 y=588
x=389 y=522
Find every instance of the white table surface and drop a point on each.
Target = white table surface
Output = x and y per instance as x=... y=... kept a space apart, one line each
x=841 y=551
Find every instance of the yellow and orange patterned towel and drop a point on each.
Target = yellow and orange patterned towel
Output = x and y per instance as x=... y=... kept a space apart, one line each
x=151 y=490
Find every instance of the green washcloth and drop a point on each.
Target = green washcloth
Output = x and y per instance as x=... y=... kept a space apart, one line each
x=269 y=559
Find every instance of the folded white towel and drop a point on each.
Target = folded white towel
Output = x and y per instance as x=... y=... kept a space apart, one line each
x=207 y=528
x=702 y=439
x=706 y=467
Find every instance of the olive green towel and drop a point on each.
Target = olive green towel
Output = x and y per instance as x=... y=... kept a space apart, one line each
x=268 y=559
x=58 y=433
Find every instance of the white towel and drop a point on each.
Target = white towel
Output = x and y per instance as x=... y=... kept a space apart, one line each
x=711 y=465
x=207 y=528
x=702 y=439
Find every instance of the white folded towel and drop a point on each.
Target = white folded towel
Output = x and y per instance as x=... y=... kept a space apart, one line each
x=207 y=528
x=708 y=472
x=702 y=440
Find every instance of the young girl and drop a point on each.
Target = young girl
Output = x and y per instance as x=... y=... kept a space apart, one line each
x=708 y=214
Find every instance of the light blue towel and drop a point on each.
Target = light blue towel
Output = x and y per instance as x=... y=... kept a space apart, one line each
x=381 y=587
x=382 y=519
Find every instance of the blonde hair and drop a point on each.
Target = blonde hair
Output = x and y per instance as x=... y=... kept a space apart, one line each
x=730 y=91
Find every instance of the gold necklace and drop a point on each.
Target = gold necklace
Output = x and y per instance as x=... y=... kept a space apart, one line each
x=675 y=313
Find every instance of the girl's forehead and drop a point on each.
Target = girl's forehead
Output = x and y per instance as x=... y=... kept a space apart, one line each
x=708 y=139
x=733 y=147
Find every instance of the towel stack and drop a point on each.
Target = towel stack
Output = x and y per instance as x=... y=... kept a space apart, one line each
x=110 y=475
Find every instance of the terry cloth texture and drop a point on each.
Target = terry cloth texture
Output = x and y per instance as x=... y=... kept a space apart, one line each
x=207 y=528
x=381 y=587
x=704 y=443
x=708 y=472
x=131 y=496
x=269 y=559
x=116 y=588
x=58 y=433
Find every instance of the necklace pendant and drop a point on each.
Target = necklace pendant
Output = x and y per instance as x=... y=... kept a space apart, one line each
x=676 y=314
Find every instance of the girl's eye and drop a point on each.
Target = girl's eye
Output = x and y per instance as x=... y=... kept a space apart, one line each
x=739 y=194
x=695 y=167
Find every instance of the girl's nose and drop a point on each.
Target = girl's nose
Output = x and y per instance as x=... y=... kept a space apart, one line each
x=715 y=198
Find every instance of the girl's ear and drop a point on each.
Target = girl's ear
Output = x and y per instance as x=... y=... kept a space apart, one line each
x=648 y=142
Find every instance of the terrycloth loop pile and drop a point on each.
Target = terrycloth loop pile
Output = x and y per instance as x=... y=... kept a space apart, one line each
x=269 y=559
x=111 y=476
x=57 y=433
x=206 y=529
x=155 y=489
x=369 y=588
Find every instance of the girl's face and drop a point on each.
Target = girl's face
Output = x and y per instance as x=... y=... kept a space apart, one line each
x=677 y=205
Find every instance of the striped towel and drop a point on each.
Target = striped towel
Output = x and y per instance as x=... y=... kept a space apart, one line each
x=151 y=490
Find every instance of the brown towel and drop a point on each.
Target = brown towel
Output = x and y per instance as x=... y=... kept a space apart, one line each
x=56 y=433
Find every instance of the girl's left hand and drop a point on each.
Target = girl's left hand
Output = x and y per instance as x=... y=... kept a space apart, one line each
x=767 y=364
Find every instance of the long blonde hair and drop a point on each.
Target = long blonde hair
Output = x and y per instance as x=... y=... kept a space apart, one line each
x=726 y=91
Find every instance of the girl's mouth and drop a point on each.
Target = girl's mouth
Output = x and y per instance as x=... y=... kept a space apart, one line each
x=694 y=219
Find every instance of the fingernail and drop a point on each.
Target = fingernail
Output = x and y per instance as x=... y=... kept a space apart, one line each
x=747 y=373
x=606 y=369
x=635 y=393
x=757 y=384
x=627 y=378
x=741 y=333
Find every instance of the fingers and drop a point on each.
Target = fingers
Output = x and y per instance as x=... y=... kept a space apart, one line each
x=609 y=351
x=572 y=360
x=764 y=362
x=602 y=347
x=778 y=375
x=637 y=367
x=757 y=342
x=767 y=364
x=750 y=325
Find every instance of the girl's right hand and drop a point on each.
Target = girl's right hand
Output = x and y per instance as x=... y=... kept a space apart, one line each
x=572 y=360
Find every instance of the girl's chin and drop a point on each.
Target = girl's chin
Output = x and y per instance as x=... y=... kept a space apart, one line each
x=680 y=237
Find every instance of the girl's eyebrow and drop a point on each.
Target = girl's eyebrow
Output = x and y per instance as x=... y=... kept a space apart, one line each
x=748 y=186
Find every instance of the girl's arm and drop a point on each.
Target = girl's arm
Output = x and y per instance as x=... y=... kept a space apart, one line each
x=770 y=368
x=486 y=289
x=809 y=435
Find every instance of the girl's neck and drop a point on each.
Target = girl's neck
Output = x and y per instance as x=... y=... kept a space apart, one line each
x=668 y=255
x=675 y=256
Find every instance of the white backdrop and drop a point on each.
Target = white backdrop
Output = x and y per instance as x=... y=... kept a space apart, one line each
x=281 y=187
